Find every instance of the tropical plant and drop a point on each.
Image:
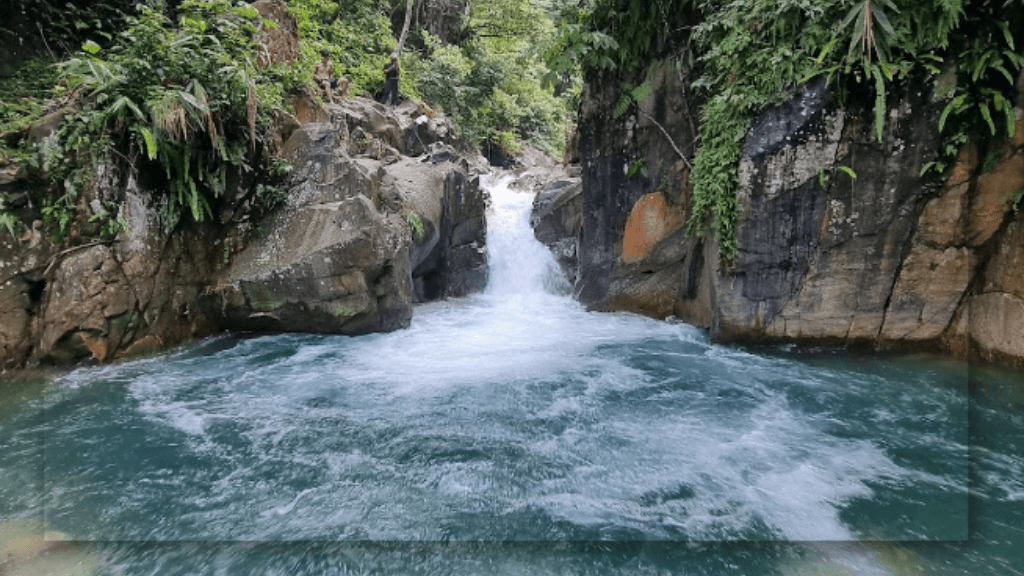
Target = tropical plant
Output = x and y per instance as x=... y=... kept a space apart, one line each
x=8 y=221
x=183 y=95
x=491 y=83
x=751 y=54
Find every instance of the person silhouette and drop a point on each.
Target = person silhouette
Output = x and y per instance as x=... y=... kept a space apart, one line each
x=391 y=72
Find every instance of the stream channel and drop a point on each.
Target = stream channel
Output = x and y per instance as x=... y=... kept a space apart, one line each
x=513 y=432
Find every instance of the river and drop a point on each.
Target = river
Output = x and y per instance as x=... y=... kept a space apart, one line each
x=513 y=432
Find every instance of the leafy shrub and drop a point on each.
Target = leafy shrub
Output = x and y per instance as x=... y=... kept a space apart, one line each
x=186 y=97
x=492 y=89
x=356 y=34
x=752 y=54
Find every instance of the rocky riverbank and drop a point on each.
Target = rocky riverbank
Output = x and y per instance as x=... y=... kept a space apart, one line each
x=842 y=241
x=383 y=209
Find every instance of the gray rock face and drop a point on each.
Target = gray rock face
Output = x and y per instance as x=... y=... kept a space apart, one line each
x=789 y=124
x=821 y=249
x=607 y=148
x=342 y=256
x=879 y=259
x=461 y=267
x=363 y=236
x=557 y=222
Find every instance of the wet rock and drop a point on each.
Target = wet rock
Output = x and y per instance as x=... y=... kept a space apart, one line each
x=341 y=256
x=462 y=269
x=607 y=148
x=344 y=256
x=557 y=222
x=880 y=260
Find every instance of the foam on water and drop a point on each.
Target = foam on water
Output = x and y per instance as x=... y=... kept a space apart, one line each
x=512 y=414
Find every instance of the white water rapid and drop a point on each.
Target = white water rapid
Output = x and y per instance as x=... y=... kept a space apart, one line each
x=515 y=415
x=515 y=418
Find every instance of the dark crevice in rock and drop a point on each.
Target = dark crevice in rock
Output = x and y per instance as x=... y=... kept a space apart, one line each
x=693 y=272
x=35 y=291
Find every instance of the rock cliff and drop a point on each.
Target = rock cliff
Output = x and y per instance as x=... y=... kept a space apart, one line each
x=842 y=242
x=383 y=209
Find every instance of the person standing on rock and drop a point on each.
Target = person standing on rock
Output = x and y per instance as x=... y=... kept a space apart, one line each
x=391 y=81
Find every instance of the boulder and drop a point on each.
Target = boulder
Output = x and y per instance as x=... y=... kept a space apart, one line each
x=362 y=236
x=380 y=199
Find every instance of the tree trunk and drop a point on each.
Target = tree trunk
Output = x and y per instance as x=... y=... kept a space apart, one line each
x=405 y=27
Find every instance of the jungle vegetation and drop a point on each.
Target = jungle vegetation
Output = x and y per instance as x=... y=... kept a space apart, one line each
x=174 y=83
x=747 y=55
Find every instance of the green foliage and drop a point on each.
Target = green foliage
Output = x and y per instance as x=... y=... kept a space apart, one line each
x=946 y=157
x=8 y=221
x=109 y=221
x=491 y=86
x=752 y=54
x=977 y=86
x=723 y=127
x=987 y=66
x=416 y=224
x=633 y=94
x=184 y=95
x=31 y=28
x=863 y=17
x=637 y=167
x=24 y=91
x=355 y=33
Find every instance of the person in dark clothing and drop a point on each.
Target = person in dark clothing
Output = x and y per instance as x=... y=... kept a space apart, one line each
x=391 y=81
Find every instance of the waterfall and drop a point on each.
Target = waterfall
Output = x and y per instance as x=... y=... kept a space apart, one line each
x=519 y=264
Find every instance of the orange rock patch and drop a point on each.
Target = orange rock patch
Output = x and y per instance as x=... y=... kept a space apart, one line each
x=650 y=221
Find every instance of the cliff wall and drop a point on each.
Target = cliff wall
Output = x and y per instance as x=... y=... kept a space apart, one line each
x=383 y=209
x=842 y=241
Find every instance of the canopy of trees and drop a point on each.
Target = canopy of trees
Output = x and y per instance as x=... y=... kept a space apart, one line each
x=173 y=82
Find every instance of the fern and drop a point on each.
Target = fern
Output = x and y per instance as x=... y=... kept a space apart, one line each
x=9 y=221
x=879 y=101
x=416 y=225
x=643 y=90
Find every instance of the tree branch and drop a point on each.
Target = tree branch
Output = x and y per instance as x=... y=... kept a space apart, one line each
x=670 y=140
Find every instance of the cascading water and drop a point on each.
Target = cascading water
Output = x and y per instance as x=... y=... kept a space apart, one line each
x=510 y=416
